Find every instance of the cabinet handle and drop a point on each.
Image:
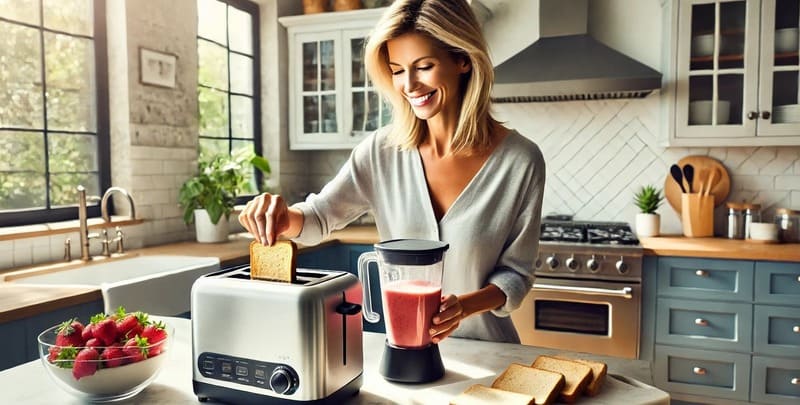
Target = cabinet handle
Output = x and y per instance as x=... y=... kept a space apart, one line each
x=701 y=273
x=699 y=371
x=765 y=115
x=795 y=381
x=798 y=279
x=701 y=322
x=752 y=115
x=796 y=329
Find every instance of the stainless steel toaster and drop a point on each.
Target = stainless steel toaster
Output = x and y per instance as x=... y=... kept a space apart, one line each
x=272 y=342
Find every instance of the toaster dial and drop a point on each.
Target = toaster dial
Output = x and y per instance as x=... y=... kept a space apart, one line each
x=283 y=380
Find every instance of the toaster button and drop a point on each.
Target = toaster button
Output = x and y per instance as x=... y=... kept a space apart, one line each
x=208 y=365
x=283 y=380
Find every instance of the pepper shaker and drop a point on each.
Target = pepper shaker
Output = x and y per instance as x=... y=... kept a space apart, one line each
x=735 y=220
x=752 y=213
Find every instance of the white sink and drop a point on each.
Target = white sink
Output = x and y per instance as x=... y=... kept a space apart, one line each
x=159 y=285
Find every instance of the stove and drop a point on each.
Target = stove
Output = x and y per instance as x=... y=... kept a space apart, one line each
x=587 y=292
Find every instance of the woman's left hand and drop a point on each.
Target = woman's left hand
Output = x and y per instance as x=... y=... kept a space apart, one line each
x=447 y=320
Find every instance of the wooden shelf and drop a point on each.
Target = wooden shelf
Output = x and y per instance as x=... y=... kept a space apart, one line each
x=722 y=58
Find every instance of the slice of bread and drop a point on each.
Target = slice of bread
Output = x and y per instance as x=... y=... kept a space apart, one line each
x=482 y=395
x=542 y=384
x=576 y=375
x=599 y=371
x=275 y=263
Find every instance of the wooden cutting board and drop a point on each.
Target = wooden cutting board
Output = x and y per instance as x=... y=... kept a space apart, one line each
x=703 y=165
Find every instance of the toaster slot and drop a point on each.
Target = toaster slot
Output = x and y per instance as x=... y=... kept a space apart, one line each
x=305 y=277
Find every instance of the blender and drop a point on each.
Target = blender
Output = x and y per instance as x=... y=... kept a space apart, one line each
x=411 y=290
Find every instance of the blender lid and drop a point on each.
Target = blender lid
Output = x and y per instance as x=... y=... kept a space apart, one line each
x=412 y=251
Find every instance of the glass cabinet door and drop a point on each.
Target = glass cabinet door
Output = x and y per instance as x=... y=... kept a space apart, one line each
x=719 y=62
x=780 y=105
x=369 y=110
x=319 y=112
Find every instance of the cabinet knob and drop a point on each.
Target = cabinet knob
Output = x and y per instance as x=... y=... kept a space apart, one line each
x=795 y=381
x=699 y=370
x=752 y=115
x=765 y=115
x=796 y=329
x=701 y=322
x=798 y=279
x=701 y=273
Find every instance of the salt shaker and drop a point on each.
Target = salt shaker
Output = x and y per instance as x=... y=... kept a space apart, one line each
x=735 y=220
x=752 y=213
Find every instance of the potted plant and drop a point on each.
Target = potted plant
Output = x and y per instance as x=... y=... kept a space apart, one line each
x=648 y=222
x=209 y=197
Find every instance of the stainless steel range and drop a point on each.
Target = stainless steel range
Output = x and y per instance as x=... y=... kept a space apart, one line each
x=587 y=292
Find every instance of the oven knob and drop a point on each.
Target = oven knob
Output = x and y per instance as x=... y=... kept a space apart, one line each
x=552 y=262
x=593 y=265
x=538 y=263
x=283 y=380
x=622 y=267
x=572 y=264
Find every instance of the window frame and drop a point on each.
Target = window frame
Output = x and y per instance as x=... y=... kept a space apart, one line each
x=48 y=213
x=253 y=9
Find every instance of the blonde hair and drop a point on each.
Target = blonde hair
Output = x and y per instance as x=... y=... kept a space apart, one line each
x=451 y=25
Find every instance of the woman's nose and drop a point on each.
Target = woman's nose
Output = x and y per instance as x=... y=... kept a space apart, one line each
x=410 y=82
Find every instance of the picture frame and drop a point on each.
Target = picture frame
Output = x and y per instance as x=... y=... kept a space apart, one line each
x=157 y=68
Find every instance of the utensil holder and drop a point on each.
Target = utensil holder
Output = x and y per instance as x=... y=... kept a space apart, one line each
x=697 y=215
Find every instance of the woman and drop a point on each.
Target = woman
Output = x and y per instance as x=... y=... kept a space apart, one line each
x=444 y=170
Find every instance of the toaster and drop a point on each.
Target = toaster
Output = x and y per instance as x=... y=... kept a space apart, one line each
x=276 y=342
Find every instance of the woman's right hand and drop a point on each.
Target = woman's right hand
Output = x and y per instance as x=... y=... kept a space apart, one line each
x=266 y=217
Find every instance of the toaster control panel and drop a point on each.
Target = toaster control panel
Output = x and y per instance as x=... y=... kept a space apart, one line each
x=280 y=378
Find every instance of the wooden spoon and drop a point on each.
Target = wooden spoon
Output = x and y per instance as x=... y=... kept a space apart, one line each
x=711 y=178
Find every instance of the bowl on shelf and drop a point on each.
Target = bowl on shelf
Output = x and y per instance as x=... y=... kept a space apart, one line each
x=700 y=112
x=703 y=45
x=786 y=40
x=111 y=379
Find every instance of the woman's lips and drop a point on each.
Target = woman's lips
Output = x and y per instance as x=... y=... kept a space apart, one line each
x=421 y=100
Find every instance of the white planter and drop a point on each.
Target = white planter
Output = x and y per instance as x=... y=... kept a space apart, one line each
x=648 y=225
x=208 y=232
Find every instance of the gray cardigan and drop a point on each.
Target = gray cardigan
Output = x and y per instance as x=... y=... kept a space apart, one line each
x=492 y=227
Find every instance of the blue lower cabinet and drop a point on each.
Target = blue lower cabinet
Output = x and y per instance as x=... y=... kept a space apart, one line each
x=777 y=283
x=775 y=380
x=713 y=325
x=702 y=372
x=776 y=331
x=14 y=338
x=345 y=258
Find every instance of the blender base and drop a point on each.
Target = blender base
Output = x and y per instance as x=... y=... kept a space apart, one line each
x=414 y=366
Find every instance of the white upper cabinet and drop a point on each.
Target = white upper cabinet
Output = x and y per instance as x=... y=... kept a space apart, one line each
x=736 y=70
x=332 y=104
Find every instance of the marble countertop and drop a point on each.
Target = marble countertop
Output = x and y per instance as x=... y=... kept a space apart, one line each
x=466 y=362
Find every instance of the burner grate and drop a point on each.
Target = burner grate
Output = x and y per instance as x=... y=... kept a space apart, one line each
x=599 y=233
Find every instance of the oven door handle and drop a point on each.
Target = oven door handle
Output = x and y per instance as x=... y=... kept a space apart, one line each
x=624 y=292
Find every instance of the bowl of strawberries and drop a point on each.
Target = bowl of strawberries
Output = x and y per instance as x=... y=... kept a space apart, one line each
x=110 y=357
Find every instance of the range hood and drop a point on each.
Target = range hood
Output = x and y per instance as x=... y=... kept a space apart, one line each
x=563 y=62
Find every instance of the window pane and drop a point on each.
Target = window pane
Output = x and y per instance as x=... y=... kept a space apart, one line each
x=27 y=148
x=242 y=117
x=72 y=153
x=213 y=112
x=20 y=77
x=329 y=114
x=240 y=25
x=327 y=65
x=241 y=74
x=311 y=114
x=26 y=11
x=70 y=77
x=212 y=65
x=210 y=25
x=211 y=147
x=252 y=187
x=64 y=187
x=21 y=190
x=72 y=16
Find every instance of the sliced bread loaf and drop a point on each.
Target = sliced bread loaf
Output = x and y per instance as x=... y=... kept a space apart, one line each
x=576 y=375
x=542 y=384
x=482 y=395
x=275 y=263
x=599 y=371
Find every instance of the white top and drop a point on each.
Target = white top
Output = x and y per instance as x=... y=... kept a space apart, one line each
x=492 y=227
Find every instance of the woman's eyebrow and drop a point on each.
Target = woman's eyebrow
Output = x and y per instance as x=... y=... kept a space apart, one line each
x=414 y=61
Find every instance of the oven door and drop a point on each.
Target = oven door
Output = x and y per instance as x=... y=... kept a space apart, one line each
x=588 y=316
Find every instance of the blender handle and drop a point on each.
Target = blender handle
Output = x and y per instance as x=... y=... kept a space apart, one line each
x=363 y=273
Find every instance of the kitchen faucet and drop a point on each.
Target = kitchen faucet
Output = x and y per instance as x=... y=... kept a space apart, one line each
x=84 y=227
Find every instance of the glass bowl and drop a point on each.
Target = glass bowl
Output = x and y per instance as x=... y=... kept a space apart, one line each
x=123 y=378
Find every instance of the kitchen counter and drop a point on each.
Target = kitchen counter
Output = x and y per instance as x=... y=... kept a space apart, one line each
x=466 y=362
x=720 y=248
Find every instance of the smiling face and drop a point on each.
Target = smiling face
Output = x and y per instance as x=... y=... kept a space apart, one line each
x=427 y=76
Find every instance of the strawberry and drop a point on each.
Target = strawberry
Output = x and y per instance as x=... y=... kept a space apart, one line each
x=131 y=324
x=52 y=353
x=155 y=334
x=94 y=343
x=85 y=363
x=88 y=331
x=106 y=331
x=136 y=349
x=69 y=334
x=113 y=356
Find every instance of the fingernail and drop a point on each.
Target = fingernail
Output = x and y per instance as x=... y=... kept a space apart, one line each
x=432 y=331
x=436 y=320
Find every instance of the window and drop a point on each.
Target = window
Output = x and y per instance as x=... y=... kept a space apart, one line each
x=53 y=108
x=228 y=80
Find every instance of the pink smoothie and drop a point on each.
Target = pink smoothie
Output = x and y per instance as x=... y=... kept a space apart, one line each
x=409 y=306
